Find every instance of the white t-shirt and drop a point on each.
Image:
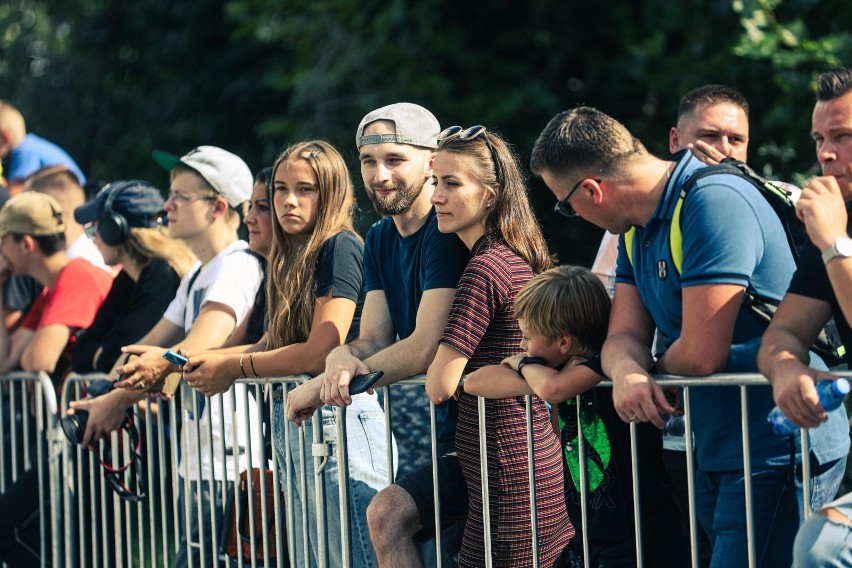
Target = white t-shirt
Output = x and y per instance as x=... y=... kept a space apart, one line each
x=84 y=248
x=232 y=278
x=605 y=261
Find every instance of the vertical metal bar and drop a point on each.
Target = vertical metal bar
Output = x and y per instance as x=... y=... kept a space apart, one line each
x=806 y=473
x=263 y=465
x=65 y=469
x=41 y=460
x=214 y=487
x=747 y=477
x=343 y=487
x=26 y=431
x=196 y=433
x=582 y=459
x=243 y=399
x=118 y=541
x=637 y=502
x=319 y=486
x=690 y=478
x=436 y=490
x=13 y=406
x=483 y=472
x=303 y=488
x=164 y=470
x=149 y=463
x=174 y=464
x=531 y=470
x=276 y=481
x=389 y=437
x=4 y=390
x=232 y=394
x=290 y=513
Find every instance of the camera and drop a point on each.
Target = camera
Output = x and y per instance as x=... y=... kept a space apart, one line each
x=74 y=426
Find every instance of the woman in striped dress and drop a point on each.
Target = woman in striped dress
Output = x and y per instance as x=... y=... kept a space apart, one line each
x=480 y=195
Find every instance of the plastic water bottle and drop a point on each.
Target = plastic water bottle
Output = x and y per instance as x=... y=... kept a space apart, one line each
x=831 y=394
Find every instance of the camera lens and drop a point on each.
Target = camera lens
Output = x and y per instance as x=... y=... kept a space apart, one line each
x=74 y=426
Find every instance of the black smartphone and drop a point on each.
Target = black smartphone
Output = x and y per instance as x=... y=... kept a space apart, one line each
x=360 y=383
x=175 y=358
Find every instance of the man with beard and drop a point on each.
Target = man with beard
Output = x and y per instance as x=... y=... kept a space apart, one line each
x=408 y=264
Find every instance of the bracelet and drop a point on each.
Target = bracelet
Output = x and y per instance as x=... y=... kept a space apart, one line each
x=242 y=369
x=251 y=362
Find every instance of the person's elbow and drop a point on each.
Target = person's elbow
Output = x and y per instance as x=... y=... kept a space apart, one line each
x=474 y=383
x=437 y=393
x=33 y=361
x=702 y=366
x=550 y=393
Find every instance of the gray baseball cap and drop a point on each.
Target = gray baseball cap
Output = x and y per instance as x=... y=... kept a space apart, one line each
x=227 y=173
x=413 y=125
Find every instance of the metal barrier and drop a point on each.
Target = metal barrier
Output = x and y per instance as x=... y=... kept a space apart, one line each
x=27 y=415
x=92 y=527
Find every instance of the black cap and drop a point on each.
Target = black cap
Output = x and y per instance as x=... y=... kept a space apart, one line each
x=136 y=200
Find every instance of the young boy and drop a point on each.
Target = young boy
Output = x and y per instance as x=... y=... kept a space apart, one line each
x=563 y=315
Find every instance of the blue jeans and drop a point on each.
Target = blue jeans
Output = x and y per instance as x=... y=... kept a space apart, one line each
x=367 y=450
x=824 y=542
x=720 y=507
x=824 y=486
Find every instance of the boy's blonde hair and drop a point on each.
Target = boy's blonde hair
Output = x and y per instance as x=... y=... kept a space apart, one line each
x=566 y=300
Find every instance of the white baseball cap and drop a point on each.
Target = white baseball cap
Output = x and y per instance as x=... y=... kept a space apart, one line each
x=227 y=173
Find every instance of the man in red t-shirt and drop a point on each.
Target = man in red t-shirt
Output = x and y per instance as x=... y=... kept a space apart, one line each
x=32 y=242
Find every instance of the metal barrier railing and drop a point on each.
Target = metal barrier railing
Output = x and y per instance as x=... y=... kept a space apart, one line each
x=27 y=414
x=97 y=529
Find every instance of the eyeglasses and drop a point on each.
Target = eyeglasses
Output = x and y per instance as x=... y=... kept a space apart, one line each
x=181 y=197
x=469 y=134
x=563 y=207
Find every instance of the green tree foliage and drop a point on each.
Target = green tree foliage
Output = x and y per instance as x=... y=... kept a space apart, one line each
x=111 y=81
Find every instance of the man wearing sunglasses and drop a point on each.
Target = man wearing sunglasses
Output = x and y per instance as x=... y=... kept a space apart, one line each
x=732 y=241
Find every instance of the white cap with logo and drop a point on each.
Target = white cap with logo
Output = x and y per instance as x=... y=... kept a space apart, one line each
x=227 y=173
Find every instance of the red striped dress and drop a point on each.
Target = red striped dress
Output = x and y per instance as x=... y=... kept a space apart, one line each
x=482 y=327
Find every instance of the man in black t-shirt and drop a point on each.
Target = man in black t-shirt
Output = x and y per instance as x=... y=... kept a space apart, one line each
x=820 y=288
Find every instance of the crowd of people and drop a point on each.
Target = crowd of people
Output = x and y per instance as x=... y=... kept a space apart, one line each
x=456 y=282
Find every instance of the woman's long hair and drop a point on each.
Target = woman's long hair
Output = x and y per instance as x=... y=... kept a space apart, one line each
x=145 y=245
x=511 y=219
x=293 y=258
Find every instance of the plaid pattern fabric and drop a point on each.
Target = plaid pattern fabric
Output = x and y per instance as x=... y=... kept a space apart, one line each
x=481 y=326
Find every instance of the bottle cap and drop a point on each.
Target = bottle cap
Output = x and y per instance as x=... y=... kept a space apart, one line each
x=841 y=386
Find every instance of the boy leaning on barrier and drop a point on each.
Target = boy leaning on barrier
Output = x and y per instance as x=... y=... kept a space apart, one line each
x=821 y=287
x=732 y=242
x=563 y=315
x=209 y=186
x=32 y=242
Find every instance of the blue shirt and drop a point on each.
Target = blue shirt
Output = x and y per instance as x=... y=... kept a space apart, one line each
x=731 y=235
x=404 y=268
x=34 y=153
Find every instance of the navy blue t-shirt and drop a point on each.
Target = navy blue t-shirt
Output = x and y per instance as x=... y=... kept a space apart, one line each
x=404 y=268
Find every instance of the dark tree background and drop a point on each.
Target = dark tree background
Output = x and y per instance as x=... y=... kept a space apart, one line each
x=110 y=81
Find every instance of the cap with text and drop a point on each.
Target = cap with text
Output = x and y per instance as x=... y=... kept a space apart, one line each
x=413 y=125
x=31 y=213
x=226 y=173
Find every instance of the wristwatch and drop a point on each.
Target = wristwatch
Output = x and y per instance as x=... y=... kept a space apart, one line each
x=530 y=361
x=841 y=247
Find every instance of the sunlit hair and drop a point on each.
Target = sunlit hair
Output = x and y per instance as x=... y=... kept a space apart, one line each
x=834 y=84
x=233 y=217
x=711 y=95
x=566 y=300
x=511 y=219
x=147 y=244
x=584 y=142
x=58 y=177
x=293 y=258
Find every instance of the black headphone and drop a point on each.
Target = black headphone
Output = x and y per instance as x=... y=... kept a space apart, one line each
x=113 y=227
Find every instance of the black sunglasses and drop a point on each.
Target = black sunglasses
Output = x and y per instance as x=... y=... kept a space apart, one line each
x=563 y=207
x=469 y=134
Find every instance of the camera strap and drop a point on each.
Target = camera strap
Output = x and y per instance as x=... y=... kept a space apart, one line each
x=114 y=476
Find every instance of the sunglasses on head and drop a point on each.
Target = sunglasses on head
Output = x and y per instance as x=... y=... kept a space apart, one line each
x=469 y=134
